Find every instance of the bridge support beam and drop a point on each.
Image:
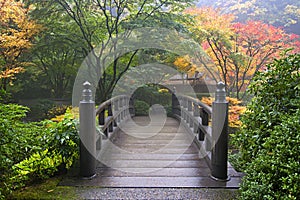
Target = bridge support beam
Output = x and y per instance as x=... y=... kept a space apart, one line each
x=87 y=132
x=219 y=155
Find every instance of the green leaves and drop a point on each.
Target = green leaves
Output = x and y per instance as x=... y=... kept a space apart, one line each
x=270 y=139
x=31 y=151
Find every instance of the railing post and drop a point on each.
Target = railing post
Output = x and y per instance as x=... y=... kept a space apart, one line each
x=205 y=122
x=87 y=133
x=102 y=121
x=131 y=106
x=113 y=108
x=175 y=103
x=184 y=104
x=204 y=117
x=190 y=106
x=196 y=115
x=116 y=107
x=220 y=135
x=121 y=107
x=110 y=114
x=128 y=107
x=190 y=110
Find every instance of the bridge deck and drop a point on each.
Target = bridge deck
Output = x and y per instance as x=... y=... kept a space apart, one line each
x=148 y=155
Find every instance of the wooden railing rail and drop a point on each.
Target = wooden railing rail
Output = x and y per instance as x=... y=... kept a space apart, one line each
x=211 y=125
x=110 y=113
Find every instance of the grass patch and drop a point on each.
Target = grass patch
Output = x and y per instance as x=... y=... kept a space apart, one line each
x=47 y=189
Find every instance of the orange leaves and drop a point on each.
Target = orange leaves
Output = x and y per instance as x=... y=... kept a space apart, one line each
x=296 y=40
x=18 y=30
x=266 y=37
x=207 y=100
x=233 y=101
x=262 y=44
x=184 y=64
x=235 y=110
x=234 y=116
x=16 y=34
x=9 y=73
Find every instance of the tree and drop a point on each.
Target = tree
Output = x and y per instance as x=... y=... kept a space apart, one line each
x=17 y=33
x=101 y=22
x=254 y=48
x=59 y=62
x=282 y=13
x=238 y=50
x=57 y=52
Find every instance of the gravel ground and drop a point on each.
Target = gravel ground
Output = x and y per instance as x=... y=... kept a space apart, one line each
x=157 y=193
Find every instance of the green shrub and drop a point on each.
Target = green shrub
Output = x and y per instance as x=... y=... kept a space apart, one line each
x=153 y=95
x=32 y=151
x=17 y=139
x=56 y=110
x=64 y=139
x=270 y=135
x=5 y=97
x=141 y=107
x=39 y=165
x=40 y=110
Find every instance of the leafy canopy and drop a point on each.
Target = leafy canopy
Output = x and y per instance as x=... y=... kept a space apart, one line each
x=238 y=50
x=17 y=31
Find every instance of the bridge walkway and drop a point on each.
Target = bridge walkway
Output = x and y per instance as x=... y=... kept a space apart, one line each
x=146 y=154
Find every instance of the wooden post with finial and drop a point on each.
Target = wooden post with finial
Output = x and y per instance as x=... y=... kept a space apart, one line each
x=87 y=132
x=219 y=157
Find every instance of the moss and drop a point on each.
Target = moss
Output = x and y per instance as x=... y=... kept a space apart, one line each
x=47 y=189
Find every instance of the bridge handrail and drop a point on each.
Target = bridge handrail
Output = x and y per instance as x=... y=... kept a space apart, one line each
x=108 y=122
x=196 y=116
x=206 y=107
x=106 y=103
x=117 y=108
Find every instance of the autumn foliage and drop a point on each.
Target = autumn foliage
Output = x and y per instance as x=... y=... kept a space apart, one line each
x=235 y=110
x=184 y=64
x=16 y=34
x=238 y=50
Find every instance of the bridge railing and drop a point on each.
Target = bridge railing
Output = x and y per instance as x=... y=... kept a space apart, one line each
x=110 y=113
x=211 y=126
x=195 y=115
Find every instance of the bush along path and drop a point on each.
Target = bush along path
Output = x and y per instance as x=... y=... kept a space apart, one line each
x=270 y=135
x=34 y=151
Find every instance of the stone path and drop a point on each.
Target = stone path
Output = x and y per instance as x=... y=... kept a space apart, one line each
x=158 y=193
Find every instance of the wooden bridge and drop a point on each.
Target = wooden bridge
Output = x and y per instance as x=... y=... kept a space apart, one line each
x=188 y=149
